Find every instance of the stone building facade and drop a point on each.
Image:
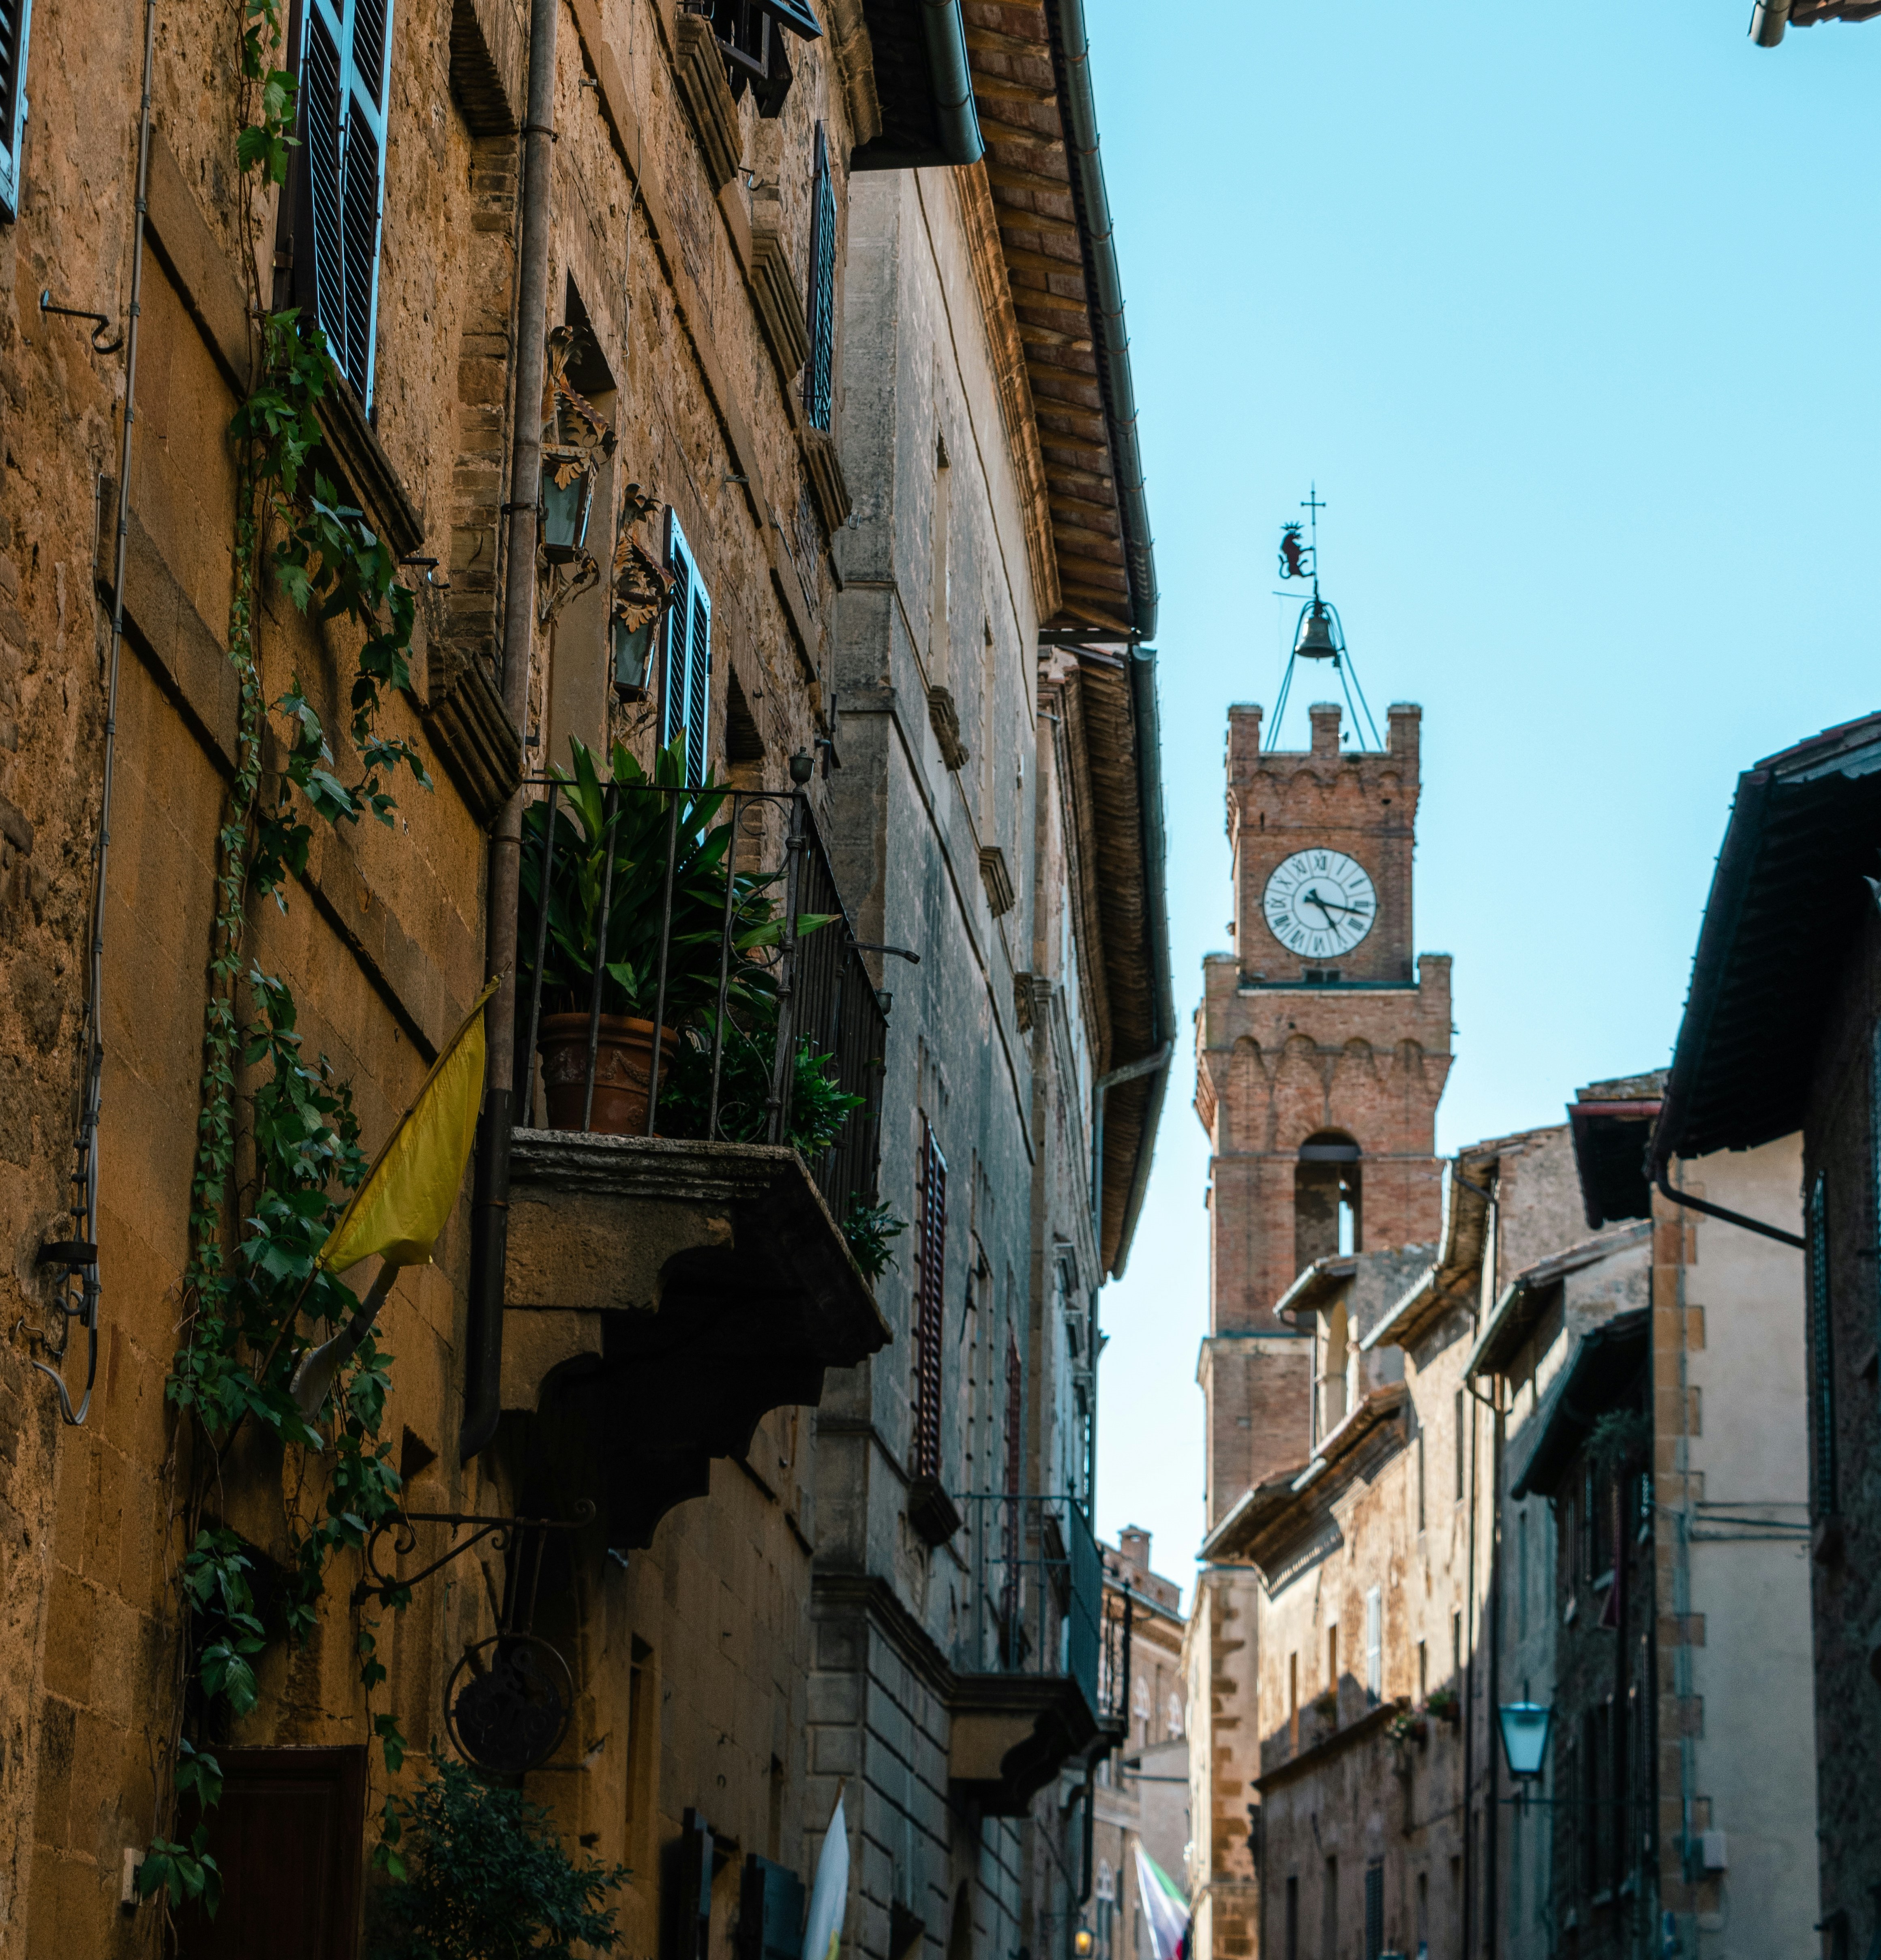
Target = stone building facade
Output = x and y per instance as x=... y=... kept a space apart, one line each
x=1784 y=975
x=703 y=230
x=1141 y=1792
x=1376 y=1556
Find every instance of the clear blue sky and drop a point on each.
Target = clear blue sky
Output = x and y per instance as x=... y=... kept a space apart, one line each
x=1571 y=313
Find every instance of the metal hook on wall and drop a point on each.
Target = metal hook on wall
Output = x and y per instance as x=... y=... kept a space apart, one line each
x=99 y=345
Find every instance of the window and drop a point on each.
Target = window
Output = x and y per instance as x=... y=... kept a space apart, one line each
x=1521 y=1575
x=756 y=56
x=1293 y=1703
x=1374 y=1643
x=1329 y=1913
x=1292 y=1946
x=1822 y=1355
x=1462 y=1462
x=686 y=689
x=1172 y=1717
x=1420 y=1477
x=819 y=371
x=1327 y=1189
x=345 y=71
x=1590 y=1794
x=1014 y=1418
x=940 y=598
x=1375 y=1910
x=1423 y=1671
x=931 y=1204
x=16 y=22
x=1331 y=1656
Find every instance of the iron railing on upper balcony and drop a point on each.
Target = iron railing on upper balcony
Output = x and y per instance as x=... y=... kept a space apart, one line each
x=663 y=913
x=1035 y=1589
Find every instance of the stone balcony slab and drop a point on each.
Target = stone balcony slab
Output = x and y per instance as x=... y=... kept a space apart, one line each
x=661 y=1296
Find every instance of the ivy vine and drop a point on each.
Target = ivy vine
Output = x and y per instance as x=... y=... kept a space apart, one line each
x=254 y=1244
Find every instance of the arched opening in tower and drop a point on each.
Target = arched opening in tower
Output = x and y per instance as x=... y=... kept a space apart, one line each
x=1328 y=1214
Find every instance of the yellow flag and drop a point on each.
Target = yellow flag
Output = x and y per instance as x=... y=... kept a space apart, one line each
x=408 y=1193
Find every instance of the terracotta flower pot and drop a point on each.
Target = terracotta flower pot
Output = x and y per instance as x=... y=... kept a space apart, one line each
x=623 y=1068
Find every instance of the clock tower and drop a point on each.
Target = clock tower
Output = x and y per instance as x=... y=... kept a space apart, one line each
x=1323 y=1046
x=1323 y=1043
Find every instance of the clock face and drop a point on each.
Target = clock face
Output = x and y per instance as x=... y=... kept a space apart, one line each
x=1319 y=904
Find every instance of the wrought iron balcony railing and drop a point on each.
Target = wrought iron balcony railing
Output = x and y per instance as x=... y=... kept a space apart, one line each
x=1035 y=1591
x=687 y=969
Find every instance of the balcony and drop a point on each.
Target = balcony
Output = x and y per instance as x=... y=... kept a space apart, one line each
x=1025 y=1700
x=678 y=1264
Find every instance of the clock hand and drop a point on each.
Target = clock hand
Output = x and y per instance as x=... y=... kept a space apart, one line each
x=1313 y=898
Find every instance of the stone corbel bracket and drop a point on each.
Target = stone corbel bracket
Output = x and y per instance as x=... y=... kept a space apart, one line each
x=663 y=1296
x=699 y=68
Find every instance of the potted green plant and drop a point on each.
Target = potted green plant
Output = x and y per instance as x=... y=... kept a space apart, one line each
x=607 y=852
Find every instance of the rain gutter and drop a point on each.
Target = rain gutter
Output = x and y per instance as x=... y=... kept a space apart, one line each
x=945 y=34
x=1142 y=677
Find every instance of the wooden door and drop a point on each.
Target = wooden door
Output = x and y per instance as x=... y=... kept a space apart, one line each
x=287 y=1836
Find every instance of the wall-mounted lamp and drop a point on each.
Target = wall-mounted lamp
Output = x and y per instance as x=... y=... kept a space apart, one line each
x=1525 y=1726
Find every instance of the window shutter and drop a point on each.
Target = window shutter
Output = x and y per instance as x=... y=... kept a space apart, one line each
x=819 y=369
x=686 y=689
x=929 y=1305
x=16 y=23
x=1374 y=1643
x=772 y=1903
x=345 y=70
x=692 y=1912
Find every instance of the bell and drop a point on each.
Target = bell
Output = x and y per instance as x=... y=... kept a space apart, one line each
x=1314 y=640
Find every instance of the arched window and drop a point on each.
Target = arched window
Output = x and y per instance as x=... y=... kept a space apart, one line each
x=1175 y=1715
x=1327 y=1214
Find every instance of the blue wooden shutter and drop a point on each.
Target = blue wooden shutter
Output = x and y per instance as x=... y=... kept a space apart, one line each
x=345 y=72
x=686 y=686
x=16 y=23
x=819 y=371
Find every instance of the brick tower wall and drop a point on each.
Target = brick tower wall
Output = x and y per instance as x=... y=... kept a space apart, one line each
x=1280 y=1060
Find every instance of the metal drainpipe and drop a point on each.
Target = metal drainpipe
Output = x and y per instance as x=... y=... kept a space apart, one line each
x=945 y=34
x=1767 y=19
x=490 y=1204
x=86 y=1175
x=1711 y=1210
x=1470 y=1597
x=1491 y=1925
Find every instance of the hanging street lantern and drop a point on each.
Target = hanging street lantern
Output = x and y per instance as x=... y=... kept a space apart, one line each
x=568 y=495
x=642 y=589
x=1525 y=1726
x=575 y=440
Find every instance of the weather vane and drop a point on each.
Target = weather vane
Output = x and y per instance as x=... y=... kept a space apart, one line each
x=1319 y=635
x=1298 y=558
